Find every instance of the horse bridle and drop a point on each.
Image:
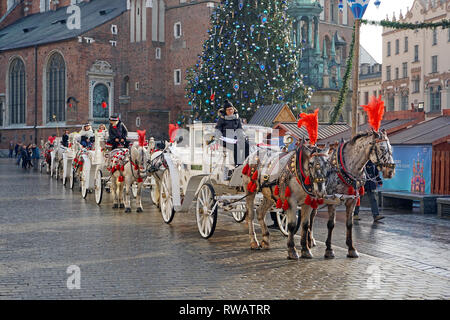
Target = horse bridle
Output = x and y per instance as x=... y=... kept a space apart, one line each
x=379 y=164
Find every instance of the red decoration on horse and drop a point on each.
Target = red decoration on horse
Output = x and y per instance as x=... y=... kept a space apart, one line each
x=141 y=134
x=311 y=123
x=375 y=112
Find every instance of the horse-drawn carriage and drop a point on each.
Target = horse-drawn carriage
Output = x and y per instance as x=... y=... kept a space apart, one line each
x=194 y=169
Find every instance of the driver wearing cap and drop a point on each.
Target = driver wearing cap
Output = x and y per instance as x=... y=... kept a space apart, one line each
x=118 y=132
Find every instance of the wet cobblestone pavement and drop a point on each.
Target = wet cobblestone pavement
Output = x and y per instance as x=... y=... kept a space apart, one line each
x=45 y=228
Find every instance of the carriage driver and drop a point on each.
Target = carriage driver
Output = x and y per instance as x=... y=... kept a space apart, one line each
x=229 y=125
x=118 y=132
x=87 y=137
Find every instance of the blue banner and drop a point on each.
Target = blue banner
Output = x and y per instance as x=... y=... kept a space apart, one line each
x=413 y=169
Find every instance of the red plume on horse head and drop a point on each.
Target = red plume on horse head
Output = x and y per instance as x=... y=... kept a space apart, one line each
x=51 y=139
x=375 y=112
x=141 y=134
x=172 y=131
x=311 y=123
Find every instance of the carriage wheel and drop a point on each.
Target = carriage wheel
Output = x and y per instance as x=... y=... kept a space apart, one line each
x=84 y=187
x=206 y=211
x=239 y=216
x=154 y=194
x=98 y=186
x=134 y=189
x=283 y=222
x=166 y=201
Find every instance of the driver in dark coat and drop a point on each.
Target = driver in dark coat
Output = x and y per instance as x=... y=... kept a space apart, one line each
x=118 y=132
x=229 y=125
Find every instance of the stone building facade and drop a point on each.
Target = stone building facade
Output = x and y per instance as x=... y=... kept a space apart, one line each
x=416 y=63
x=128 y=57
x=325 y=34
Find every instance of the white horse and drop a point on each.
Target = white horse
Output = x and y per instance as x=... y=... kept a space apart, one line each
x=135 y=171
x=118 y=158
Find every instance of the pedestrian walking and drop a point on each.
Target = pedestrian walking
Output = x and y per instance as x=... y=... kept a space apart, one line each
x=11 y=149
x=19 y=153
x=35 y=156
x=373 y=180
x=16 y=149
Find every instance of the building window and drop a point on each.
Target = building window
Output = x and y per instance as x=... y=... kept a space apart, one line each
x=158 y=53
x=17 y=92
x=56 y=89
x=177 y=77
x=101 y=101
x=389 y=49
x=406 y=44
x=397 y=46
x=434 y=64
x=177 y=30
x=405 y=69
x=416 y=53
x=138 y=122
x=126 y=86
x=416 y=85
x=332 y=11
x=405 y=101
x=435 y=99
x=366 y=98
x=388 y=73
x=391 y=103
x=434 y=37
x=397 y=74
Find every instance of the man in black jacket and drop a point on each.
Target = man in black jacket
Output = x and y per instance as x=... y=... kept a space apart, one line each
x=229 y=125
x=65 y=139
x=118 y=132
x=373 y=180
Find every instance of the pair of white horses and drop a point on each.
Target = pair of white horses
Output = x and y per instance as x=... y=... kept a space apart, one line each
x=126 y=167
x=305 y=177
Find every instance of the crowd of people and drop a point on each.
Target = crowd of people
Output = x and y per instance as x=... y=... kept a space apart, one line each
x=27 y=155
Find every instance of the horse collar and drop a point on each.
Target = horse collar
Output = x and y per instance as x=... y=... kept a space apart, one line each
x=302 y=177
x=345 y=176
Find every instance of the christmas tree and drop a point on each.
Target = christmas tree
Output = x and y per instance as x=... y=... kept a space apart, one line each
x=249 y=59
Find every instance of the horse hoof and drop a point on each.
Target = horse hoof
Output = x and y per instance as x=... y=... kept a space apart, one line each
x=292 y=254
x=352 y=254
x=313 y=243
x=127 y=210
x=329 y=254
x=121 y=206
x=306 y=254
x=139 y=210
x=254 y=246
x=116 y=206
x=265 y=245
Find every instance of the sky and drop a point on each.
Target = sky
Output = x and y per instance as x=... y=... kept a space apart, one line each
x=371 y=35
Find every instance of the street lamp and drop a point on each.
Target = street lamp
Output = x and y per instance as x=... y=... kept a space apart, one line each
x=358 y=9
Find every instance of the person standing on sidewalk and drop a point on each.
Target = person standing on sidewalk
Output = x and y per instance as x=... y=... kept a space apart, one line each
x=11 y=149
x=35 y=155
x=373 y=180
